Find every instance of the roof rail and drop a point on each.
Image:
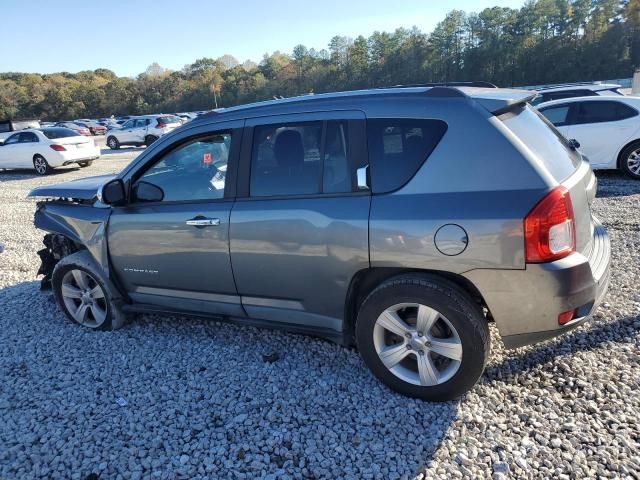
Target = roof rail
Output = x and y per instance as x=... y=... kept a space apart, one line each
x=480 y=84
x=574 y=84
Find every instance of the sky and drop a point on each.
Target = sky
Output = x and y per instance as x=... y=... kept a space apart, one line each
x=126 y=36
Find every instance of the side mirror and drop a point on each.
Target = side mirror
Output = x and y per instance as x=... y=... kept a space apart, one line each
x=113 y=193
x=147 y=192
x=573 y=143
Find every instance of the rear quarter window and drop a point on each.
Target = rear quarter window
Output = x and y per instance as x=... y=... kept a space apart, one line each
x=398 y=148
x=542 y=138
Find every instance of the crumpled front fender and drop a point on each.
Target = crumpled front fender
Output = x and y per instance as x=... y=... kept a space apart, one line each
x=84 y=225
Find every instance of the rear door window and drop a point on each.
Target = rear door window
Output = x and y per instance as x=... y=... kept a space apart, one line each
x=28 y=137
x=603 y=111
x=306 y=158
x=398 y=148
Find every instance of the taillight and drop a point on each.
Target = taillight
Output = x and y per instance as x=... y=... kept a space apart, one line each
x=161 y=125
x=550 y=227
x=57 y=148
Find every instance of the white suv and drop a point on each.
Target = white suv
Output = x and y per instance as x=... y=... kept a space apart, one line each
x=571 y=90
x=143 y=130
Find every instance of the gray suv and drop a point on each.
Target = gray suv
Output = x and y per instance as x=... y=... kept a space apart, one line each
x=400 y=220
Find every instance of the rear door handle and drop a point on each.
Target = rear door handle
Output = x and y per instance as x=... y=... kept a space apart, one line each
x=203 y=222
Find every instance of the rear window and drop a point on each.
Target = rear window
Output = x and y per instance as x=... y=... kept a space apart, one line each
x=398 y=148
x=169 y=119
x=542 y=138
x=53 y=133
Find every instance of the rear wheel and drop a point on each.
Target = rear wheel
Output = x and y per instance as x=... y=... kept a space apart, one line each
x=149 y=139
x=113 y=143
x=85 y=164
x=41 y=165
x=423 y=337
x=630 y=160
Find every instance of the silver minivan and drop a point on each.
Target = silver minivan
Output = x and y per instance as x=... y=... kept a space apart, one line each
x=400 y=220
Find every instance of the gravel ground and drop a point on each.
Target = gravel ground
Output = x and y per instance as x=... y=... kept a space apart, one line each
x=188 y=398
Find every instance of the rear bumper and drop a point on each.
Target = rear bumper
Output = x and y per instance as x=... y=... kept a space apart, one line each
x=525 y=304
x=70 y=157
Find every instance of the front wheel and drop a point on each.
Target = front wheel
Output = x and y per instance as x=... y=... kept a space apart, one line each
x=113 y=143
x=41 y=166
x=85 y=164
x=630 y=160
x=423 y=337
x=149 y=139
x=85 y=295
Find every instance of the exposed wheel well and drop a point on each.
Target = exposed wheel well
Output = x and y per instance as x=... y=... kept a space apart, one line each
x=619 y=161
x=365 y=281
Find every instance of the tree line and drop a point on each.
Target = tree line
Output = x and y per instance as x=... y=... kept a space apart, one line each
x=545 y=41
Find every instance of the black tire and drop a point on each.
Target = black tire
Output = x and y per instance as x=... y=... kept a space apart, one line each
x=450 y=301
x=113 y=143
x=110 y=302
x=85 y=164
x=629 y=165
x=149 y=139
x=41 y=165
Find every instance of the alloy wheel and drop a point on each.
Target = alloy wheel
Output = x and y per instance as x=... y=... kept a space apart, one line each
x=633 y=162
x=84 y=298
x=417 y=344
x=40 y=164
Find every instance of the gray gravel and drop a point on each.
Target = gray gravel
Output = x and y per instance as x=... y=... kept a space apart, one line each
x=188 y=398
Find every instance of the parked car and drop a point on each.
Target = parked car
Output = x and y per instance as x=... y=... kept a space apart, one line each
x=402 y=220
x=7 y=127
x=571 y=90
x=607 y=129
x=94 y=127
x=142 y=130
x=46 y=149
x=79 y=129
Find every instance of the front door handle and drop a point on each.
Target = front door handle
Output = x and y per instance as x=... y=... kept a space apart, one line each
x=203 y=222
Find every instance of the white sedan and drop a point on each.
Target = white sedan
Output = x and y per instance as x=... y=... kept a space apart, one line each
x=47 y=148
x=606 y=127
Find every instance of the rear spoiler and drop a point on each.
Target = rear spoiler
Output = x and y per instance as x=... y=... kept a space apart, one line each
x=495 y=100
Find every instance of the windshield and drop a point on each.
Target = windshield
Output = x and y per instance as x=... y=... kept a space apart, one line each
x=544 y=140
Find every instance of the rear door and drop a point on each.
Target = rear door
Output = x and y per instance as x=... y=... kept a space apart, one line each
x=140 y=129
x=173 y=252
x=299 y=228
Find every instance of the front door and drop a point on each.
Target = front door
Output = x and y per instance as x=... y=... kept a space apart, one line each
x=126 y=134
x=170 y=246
x=299 y=233
x=10 y=152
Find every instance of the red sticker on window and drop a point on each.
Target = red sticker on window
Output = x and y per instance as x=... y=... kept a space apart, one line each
x=206 y=158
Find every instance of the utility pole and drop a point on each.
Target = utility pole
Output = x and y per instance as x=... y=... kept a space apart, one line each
x=215 y=97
